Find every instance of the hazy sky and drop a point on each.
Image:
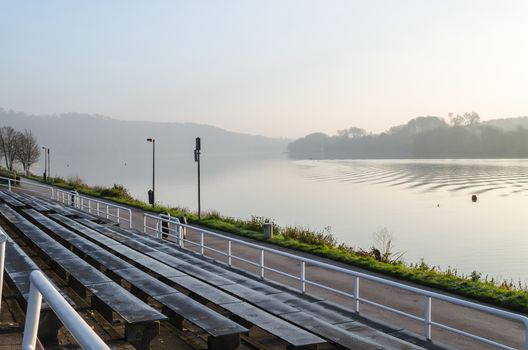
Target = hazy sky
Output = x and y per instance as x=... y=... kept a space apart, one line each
x=278 y=68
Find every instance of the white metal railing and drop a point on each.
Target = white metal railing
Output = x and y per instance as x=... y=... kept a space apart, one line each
x=94 y=206
x=163 y=225
x=3 y=238
x=28 y=186
x=81 y=331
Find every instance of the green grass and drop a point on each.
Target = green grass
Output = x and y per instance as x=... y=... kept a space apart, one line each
x=499 y=293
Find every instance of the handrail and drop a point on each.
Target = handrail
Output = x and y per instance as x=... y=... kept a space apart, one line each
x=64 y=196
x=12 y=182
x=81 y=331
x=3 y=238
x=94 y=206
x=354 y=295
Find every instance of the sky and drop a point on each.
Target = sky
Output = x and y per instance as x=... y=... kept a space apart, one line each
x=279 y=68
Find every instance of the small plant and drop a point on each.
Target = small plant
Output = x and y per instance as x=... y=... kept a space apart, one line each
x=382 y=250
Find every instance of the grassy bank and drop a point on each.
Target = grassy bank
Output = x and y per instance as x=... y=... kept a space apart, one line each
x=378 y=259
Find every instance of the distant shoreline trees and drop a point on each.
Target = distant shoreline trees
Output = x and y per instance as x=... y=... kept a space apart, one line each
x=18 y=146
x=423 y=137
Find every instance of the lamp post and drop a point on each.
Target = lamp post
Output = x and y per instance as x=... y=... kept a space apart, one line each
x=152 y=191
x=45 y=163
x=49 y=168
x=197 y=160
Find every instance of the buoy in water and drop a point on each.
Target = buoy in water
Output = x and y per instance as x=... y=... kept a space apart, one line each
x=474 y=198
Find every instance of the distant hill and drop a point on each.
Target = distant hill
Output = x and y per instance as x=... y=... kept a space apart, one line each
x=508 y=124
x=422 y=137
x=90 y=136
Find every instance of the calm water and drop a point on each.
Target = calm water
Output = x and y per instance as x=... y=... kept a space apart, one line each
x=425 y=204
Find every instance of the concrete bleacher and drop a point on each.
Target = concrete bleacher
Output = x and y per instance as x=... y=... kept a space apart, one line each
x=99 y=260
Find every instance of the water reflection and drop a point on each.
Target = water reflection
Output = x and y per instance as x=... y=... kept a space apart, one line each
x=506 y=177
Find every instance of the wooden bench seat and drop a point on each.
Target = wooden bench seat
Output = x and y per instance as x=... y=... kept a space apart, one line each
x=28 y=201
x=10 y=200
x=141 y=320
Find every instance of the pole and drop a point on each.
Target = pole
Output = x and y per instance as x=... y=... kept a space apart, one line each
x=49 y=171
x=197 y=160
x=153 y=171
x=199 y=202
x=45 y=163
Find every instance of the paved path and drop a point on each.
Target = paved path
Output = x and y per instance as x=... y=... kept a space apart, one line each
x=495 y=328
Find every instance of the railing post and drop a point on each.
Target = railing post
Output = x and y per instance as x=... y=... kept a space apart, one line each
x=107 y=211
x=262 y=264
x=3 y=239
x=129 y=218
x=202 y=242
x=32 y=318
x=355 y=305
x=118 y=216
x=525 y=335
x=303 y=277
x=144 y=223
x=97 y=208
x=427 y=317
x=9 y=185
x=229 y=260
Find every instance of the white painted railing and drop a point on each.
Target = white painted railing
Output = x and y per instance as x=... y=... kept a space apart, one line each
x=103 y=209
x=3 y=238
x=40 y=287
x=94 y=206
x=153 y=224
x=31 y=186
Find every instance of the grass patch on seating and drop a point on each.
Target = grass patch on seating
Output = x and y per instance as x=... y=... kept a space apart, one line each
x=379 y=259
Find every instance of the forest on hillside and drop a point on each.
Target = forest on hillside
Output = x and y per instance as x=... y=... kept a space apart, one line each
x=463 y=136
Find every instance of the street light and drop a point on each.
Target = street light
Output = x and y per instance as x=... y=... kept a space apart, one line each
x=151 y=192
x=49 y=167
x=45 y=163
x=197 y=160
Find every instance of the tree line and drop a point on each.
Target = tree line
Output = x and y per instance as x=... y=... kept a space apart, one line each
x=463 y=136
x=18 y=147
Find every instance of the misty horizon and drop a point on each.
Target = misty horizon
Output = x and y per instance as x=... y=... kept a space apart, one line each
x=281 y=69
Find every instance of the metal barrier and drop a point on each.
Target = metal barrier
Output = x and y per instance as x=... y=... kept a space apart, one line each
x=176 y=229
x=3 y=238
x=28 y=186
x=81 y=331
x=94 y=206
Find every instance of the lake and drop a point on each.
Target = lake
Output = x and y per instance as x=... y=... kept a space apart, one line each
x=425 y=204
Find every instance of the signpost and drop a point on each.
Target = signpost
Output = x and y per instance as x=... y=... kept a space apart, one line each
x=197 y=159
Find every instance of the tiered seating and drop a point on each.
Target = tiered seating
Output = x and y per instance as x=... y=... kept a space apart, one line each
x=18 y=267
x=251 y=315
x=141 y=320
x=189 y=287
x=317 y=316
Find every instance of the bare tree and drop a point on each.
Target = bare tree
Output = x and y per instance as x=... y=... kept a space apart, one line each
x=468 y=119
x=471 y=118
x=27 y=150
x=8 y=141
